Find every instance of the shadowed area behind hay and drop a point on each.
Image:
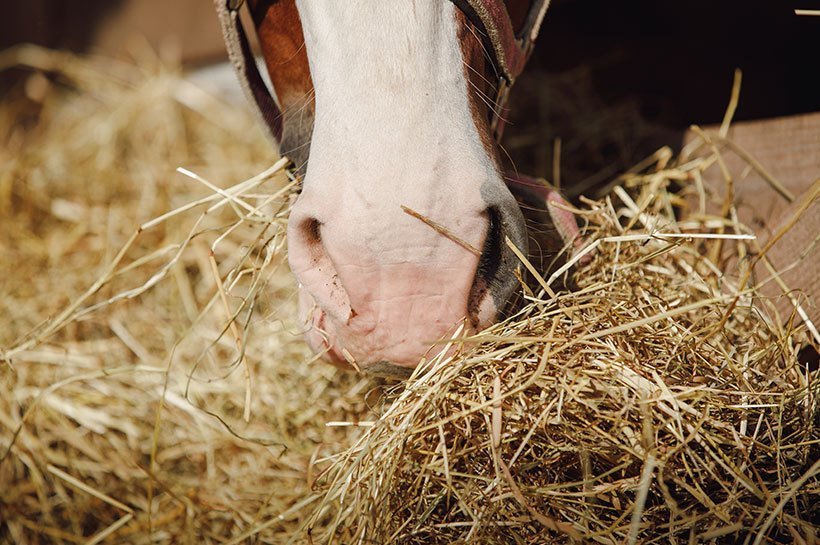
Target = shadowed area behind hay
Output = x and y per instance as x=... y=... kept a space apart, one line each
x=134 y=412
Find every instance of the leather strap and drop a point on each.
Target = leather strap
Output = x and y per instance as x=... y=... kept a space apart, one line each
x=509 y=54
x=241 y=56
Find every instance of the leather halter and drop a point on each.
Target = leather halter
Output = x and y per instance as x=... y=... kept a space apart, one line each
x=508 y=51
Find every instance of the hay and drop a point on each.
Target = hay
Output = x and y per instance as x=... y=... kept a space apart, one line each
x=157 y=390
x=655 y=404
x=124 y=397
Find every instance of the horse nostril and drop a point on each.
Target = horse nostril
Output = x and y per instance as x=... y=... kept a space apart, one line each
x=491 y=253
x=310 y=229
x=498 y=275
x=309 y=233
x=315 y=269
x=486 y=281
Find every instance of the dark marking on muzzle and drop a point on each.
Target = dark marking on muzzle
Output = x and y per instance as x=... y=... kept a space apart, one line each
x=509 y=222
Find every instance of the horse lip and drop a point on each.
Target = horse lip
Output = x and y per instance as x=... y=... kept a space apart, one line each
x=385 y=369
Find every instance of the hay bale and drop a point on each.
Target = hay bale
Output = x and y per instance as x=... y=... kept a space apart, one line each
x=156 y=388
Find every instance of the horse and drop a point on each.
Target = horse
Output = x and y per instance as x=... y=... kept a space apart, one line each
x=406 y=227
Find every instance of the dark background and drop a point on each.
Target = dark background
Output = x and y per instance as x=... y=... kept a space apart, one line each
x=617 y=80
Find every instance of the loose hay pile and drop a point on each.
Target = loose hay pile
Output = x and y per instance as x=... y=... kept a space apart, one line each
x=174 y=403
x=123 y=402
x=640 y=408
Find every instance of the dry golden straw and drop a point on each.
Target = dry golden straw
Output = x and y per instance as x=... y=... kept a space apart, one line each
x=156 y=388
x=627 y=411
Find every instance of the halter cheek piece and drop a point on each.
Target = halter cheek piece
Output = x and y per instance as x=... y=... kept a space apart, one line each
x=508 y=51
x=241 y=56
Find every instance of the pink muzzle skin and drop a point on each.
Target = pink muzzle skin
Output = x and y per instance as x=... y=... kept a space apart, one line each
x=366 y=309
x=366 y=313
x=393 y=346
x=551 y=226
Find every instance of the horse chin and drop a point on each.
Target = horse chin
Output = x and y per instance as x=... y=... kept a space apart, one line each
x=342 y=346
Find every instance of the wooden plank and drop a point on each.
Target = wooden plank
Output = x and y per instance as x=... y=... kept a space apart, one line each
x=788 y=149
